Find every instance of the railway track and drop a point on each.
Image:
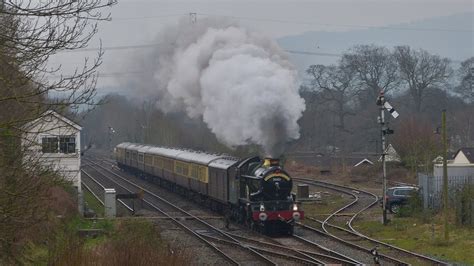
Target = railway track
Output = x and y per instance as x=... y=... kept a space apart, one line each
x=341 y=230
x=325 y=255
x=96 y=188
x=317 y=244
x=235 y=250
x=341 y=227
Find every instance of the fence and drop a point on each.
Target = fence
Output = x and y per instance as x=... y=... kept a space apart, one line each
x=432 y=188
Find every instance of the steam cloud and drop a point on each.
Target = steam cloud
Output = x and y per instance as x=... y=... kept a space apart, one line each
x=238 y=81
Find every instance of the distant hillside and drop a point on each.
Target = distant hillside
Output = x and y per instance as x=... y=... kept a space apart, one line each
x=456 y=42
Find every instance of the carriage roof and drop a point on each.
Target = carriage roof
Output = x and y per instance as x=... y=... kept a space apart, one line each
x=213 y=160
x=223 y=163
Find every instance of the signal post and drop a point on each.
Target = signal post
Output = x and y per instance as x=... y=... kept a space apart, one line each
x=384 y=105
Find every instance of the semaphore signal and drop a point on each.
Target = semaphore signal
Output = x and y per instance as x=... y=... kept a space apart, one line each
x=384 y=105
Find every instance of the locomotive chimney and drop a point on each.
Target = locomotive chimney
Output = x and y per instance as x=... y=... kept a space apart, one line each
x=269 y=162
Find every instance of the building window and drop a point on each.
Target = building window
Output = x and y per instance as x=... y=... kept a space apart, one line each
x=63 y=144
x=49 y=145
x=67 y=144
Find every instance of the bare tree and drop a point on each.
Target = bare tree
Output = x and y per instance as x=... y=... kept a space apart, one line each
x=33 y=31
x=337 y=89
x=417 y=144
x=30 y=33
x=466 y=79
x=421 y=71
x=336 y=85
x=375 y=67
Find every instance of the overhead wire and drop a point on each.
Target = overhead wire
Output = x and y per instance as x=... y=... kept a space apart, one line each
x=147 y=17
x=152 y=45
x=310 y=23
x=291 y=51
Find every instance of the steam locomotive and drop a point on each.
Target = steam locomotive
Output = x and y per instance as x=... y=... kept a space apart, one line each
x=253 y=191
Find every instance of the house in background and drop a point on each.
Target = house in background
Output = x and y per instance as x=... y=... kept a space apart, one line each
x=460 y=172
x=52 y=140
x=462 y=164
x=364 y=163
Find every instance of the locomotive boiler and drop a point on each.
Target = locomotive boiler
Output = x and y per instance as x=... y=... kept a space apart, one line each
x=253 y=191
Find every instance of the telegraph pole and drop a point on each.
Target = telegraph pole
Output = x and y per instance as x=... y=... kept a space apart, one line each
x=384 y=105
x=445 y=175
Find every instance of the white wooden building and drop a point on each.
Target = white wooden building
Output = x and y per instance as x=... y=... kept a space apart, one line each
x=460 y=172
x=53 y=140
x=461 y=165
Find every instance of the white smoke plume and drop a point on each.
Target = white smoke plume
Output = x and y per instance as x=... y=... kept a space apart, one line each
x=240 y=82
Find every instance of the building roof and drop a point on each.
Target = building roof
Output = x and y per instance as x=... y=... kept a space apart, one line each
x=468 y=152
x=365 y=161
x=56 y=115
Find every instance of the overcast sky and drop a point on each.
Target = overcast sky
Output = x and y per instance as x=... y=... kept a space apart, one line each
x=137 y=22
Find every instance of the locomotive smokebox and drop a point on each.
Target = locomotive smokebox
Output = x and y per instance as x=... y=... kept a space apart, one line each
x=269 y=162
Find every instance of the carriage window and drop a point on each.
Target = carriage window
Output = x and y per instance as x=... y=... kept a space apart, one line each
x=195 y=172
x=156 y=162
x=202 y=174
x=168 y=164
x=178 y=168
x=148 y=159
x=185 y=169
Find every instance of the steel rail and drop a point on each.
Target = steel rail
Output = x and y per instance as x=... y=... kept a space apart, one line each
x=342 y=189
x=103 y=188
x=276 y=246
x=333 y=253
x=349 y=243
x=189 y=214
x=186 y=228
x=274 y=253
x=346 y=258
x=300 y=251
x=92 y=192
x=355 y=232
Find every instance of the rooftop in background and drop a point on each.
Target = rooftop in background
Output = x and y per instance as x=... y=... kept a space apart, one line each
x=464 y=156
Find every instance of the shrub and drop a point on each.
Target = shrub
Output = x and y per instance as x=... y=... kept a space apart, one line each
x=464 y=205
x=414 y=207
x=132 y=242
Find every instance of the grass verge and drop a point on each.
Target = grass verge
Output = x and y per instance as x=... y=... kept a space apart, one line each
x=93 y=203
x=120 y=242
x=411 y=234
x=322 y=208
